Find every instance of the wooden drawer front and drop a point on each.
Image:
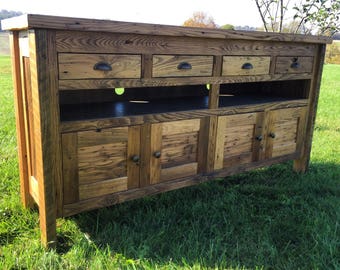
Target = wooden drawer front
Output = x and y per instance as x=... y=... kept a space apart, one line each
x=82 y=66
x=181 y=66
x=294 y=64
x=245 y=65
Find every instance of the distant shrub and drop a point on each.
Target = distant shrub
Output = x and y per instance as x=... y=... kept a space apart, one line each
x=333 y=53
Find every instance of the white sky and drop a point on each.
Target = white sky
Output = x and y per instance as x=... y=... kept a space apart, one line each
x=173 y=12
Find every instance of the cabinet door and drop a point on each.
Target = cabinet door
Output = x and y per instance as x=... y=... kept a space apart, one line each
x=175 y=150
x=285 y=129
x=238 y=140
x=96 y=163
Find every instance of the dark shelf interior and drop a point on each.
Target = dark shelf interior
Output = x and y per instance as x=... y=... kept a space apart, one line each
x=104 y=103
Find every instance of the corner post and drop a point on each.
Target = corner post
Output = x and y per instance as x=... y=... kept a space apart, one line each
x=44 y=83
x=301 y=164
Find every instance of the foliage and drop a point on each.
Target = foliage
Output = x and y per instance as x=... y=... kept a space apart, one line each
x=5 y=14
x=228 y=27
x=333 y=53
x=311 y=16
x=267 y=219
x=200 y=19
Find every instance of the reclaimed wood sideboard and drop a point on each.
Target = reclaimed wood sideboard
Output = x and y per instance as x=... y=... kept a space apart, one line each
x=111 y=111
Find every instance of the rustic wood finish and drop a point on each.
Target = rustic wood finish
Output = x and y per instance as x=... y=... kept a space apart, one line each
x=111 y=111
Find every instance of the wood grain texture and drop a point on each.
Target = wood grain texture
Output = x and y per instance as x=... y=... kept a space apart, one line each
x=20 y=125
x=134 y=146
x=65 y=85
x=232 y=65
x=301 y=164
x=284 y=65
x=155 y=146
x=44 y=68
x=70 y=168
x=168 y=66
x=81 y=66
x=68 y=23
x=89 y=42
x=34 y=189
x=120 y=197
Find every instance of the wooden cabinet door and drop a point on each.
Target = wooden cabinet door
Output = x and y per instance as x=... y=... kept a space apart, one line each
x=96 y=163
x=285 y=129
x=171 y=150
x=239 y=139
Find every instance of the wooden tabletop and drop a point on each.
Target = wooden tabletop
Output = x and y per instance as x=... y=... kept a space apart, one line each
x=31 y=21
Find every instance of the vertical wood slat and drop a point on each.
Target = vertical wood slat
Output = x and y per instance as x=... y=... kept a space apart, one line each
x=213 y=123
x=133 y=169
x=203 y=139
x=26 y=198
x=44 y=70
x=145 y=155
x=70 y=167
x=155 y=146
x=301 y=165
x=300 y=136
x=220 y=141
x=269 y=117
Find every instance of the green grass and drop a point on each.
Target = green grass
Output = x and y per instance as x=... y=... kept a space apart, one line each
x=266 y=219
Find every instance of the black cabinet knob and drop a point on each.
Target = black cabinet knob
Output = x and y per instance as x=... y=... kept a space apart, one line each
x=272 y=135
x=157 y=154
x=259 y=138
x=135 y=158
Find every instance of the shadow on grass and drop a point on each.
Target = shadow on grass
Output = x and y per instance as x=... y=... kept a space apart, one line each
x=271 y=217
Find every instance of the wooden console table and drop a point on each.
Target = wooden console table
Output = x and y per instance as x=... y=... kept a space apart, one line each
x=111 y=111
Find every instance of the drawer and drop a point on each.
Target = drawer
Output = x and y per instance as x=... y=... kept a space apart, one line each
x=245 y=65
x=303 y=64
x=98 y=66
x=181 y=65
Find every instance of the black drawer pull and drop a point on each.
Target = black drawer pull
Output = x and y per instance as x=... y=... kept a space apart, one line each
x=184 y=66
x=247 y=66
x=259 y=138
x=295 y=65
x=102 y=66
x=272 y=135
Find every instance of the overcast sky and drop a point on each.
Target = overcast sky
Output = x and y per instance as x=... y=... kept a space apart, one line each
x=173 y=12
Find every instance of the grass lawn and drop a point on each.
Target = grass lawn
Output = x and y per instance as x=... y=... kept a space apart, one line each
x=266 y=219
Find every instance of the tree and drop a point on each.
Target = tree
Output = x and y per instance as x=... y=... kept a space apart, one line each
x=228 y=27
x=311 y=16
x=200 y=19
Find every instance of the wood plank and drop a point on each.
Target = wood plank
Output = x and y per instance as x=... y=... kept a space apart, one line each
x=145 y=157
x=178 y=172
x=281 y=150
x=147 y=66
x=233 y=65
x=238 y=140
x=301 y=130
x=155 y=146
x=133 y=168
x=220 y=142
x=98 y=189
x=214 y=94
x=47 y=137
x=241 y=119
x=259 y=145
x=101 y=162
x=68 y=23
x=81 y=66
x=65 y=85
x=34 y=189
x=203 y=140
x=99 y=42
x=26 y=198
x=168 y=65
x=243 y=158
x=70 y=167
x=180 y=127
x=102 y=136
x=179 y=149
